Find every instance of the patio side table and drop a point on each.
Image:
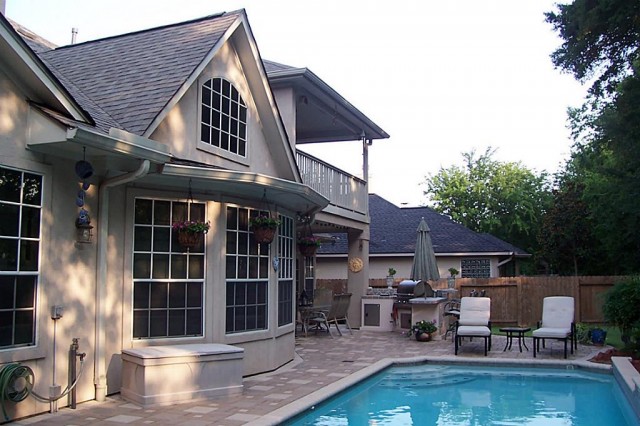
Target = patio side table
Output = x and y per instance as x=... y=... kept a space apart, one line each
x=517 y=332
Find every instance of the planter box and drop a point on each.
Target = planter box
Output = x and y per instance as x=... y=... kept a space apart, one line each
x=169 y=374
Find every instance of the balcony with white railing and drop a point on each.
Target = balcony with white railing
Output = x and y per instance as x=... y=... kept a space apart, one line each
x=347 y=194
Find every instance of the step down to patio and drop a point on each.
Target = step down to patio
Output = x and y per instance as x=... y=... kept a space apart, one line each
x=169 y=374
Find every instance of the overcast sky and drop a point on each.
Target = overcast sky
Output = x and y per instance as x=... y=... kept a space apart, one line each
x=441 y=77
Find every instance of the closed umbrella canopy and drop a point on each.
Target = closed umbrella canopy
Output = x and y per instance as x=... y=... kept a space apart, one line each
x=424 y=266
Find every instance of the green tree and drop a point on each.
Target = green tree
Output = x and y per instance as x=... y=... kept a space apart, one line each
x=506 y=200
x=601 y=40
x=567 y=243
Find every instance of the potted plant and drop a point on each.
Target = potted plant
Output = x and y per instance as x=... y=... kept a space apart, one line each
x=264 y=228
x=308 y=245
x=597 y=335
x=190 y=232
x=423 y=330
x=451 y=281
x=390 y=277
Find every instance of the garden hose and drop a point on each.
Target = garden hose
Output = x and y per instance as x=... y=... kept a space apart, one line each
x=65 y=392
x=9 y=374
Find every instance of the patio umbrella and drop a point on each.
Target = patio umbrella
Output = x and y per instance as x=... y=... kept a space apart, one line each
x=424 y=266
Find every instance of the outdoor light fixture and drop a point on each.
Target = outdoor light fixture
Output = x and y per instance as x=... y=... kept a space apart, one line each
x=84 y=234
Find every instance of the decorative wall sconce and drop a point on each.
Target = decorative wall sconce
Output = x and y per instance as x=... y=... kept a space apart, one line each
x=84 y=170
x=84 y=234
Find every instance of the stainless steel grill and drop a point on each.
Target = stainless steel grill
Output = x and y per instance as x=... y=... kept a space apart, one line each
x=409 y=289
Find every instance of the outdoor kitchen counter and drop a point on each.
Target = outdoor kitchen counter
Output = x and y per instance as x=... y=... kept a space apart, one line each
x=427 y=300
x=429 y=309
x=379 y=296
x=377 y=312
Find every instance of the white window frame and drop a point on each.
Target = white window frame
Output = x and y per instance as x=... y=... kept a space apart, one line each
x=173 y=250
x=247 y=275
x=205 y=138
x=286 y=270
x=17 y=272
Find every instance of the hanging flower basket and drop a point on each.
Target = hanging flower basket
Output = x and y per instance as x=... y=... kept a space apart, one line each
x=308 y=245
x=264 y=228
x=263 y=234
x=307 y=251
x=189 y=240
x=190 y=233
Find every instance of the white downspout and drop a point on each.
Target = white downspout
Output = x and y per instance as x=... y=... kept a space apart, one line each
x=100 y=362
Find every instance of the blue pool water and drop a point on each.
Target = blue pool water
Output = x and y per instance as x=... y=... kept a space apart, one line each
x=456 y=395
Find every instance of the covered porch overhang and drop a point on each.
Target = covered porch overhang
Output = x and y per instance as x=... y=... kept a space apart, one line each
x=239 y=187
x=121 y=152
x=322 y=114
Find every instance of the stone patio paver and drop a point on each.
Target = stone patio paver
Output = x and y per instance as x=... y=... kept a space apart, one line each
x=320 y=361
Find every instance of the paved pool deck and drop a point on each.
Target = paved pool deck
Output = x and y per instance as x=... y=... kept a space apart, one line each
x=321 y=364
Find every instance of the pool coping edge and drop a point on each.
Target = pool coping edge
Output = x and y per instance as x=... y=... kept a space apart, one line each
x=294 y=408
x=629 y=379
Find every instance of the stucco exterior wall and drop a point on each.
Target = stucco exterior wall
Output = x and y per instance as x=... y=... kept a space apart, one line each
x=67 y=269
x=286 y=101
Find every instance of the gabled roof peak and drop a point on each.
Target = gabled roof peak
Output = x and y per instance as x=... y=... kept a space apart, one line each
x=133 y=76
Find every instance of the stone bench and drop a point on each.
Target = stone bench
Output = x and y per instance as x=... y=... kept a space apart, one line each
x=168 y=374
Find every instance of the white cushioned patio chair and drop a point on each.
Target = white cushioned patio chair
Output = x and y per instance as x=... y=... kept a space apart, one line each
x=557 y=323
x=475 y=313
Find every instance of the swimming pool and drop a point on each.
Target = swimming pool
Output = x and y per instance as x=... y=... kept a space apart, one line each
x=432 y=394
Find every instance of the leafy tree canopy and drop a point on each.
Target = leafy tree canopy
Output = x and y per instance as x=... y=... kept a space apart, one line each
x=601 y=40
x=506 y=200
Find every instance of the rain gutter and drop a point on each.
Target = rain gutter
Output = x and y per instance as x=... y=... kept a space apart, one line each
x=509 y=259
x=100 y=362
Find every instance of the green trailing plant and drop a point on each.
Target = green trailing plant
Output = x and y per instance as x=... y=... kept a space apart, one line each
x=620 y=308
x=191 y=226
x=264 y=221
x=309 y=241
x=392 y=272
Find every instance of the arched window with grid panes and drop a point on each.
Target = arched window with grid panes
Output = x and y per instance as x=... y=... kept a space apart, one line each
x=223 y=117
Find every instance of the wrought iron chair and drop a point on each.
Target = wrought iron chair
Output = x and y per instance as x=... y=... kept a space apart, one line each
x=452 y=311
x=337 y=312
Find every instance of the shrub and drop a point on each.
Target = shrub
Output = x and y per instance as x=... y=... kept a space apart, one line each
x=620 y=308
x=582 y=333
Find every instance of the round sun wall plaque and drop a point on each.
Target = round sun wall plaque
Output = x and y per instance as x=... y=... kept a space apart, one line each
x=355 y=264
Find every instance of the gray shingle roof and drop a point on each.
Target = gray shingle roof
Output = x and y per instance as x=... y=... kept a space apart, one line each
x=393 y=231
x=133 y=76
x=271 y=66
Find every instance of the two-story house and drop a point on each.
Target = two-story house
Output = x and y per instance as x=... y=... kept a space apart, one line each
x=108 y=146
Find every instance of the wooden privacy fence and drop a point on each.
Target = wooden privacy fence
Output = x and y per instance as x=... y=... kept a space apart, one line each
x=518 y=300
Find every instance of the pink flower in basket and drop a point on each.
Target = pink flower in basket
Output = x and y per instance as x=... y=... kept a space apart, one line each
x=191 y=226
